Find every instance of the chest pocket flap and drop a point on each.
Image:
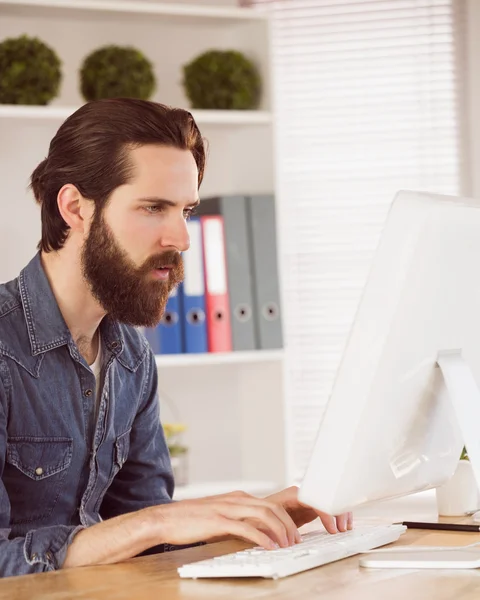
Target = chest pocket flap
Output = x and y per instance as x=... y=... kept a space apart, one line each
x=122 y=446
x=39 y=457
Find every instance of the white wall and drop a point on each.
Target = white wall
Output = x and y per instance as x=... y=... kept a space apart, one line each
x=235 y=423
x=472 y=120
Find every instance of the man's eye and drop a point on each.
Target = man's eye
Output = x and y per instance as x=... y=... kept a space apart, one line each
x=188 y=212
x=153 y=209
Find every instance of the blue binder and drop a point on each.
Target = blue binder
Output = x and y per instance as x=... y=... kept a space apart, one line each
x=193 y=292
x=167 y=337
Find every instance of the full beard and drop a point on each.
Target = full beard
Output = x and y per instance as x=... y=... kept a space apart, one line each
x=127 y=293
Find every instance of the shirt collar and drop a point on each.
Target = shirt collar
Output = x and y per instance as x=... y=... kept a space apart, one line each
x=47 y=328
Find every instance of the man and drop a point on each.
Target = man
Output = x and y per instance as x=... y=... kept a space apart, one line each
x=85 y=471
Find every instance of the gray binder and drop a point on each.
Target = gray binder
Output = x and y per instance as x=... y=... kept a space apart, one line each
x=266 y=291
x=233 y=209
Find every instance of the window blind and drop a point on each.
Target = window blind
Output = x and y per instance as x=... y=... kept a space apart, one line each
x=367 y=99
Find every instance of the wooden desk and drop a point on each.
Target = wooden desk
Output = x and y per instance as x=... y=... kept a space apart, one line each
x=155 y=577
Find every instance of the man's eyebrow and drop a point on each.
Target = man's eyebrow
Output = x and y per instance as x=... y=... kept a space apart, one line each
x=165 y=202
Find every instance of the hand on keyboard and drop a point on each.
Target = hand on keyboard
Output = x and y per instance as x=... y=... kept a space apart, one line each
x=302 y=514
x=261 y=521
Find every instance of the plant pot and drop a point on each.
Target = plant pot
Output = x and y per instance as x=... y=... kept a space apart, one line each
x=459 y=496
x=180 y=469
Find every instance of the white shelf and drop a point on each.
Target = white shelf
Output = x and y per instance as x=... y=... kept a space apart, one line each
x=232 y=117
x=202 y=117
x=200 y=490
x=141 y=7
x=217 y=358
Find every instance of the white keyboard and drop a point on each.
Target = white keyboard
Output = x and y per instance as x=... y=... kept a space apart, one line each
x=316 y=548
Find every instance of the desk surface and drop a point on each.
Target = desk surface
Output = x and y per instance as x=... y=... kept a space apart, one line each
x=155 y=577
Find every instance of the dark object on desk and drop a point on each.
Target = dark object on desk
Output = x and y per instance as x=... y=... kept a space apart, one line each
x=161 y=548
x=442 y=526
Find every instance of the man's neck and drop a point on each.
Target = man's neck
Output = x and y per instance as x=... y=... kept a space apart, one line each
x=89 y=348
x=80 y=310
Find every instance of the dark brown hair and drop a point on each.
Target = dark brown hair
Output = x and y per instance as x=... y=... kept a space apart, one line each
x=91 y=151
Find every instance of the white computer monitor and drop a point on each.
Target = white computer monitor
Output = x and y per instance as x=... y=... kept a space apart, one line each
x=406 y=399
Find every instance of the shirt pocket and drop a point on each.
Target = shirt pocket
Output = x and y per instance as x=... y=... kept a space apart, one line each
x=35 y=475
x=122 y=446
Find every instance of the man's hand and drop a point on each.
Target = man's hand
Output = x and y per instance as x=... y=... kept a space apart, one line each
x=257 y=520
x=302 y=514
x=266 y=522
x=237 y=514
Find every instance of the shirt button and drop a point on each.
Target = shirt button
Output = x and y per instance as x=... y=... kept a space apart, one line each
x=114 y=344
x=39 y=471
x=34 y=556
x=87 y=393
x=48 y=556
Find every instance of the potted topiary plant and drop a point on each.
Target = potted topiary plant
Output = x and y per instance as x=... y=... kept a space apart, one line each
x=222 y=79
x=459 y=496
x=116 y=72
x=30 y=71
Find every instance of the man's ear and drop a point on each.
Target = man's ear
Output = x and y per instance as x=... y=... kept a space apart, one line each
x=76 y=211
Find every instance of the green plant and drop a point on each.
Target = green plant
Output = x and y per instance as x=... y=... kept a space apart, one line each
x=30 y=71
x=464 y=455
x=116 y=72
x=172 y=432
x=222 y=80
x=177 y=450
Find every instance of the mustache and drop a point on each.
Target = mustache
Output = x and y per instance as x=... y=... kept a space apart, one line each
x=170 y=257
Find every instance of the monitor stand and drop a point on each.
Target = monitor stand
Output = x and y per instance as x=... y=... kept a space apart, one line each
x=465 y=397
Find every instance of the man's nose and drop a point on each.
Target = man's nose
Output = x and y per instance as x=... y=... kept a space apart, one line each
x=175 y=235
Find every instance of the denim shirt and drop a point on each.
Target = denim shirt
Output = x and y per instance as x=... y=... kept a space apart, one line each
x=61 y=470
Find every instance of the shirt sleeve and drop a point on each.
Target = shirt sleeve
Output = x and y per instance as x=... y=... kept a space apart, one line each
x=145 y=478
x=41 y=549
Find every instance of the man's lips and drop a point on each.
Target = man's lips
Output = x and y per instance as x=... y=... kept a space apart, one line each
x=162 y=272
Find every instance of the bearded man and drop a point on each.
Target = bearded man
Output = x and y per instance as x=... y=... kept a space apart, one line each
x=85 y=474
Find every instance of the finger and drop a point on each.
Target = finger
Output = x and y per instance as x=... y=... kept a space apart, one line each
x=342 y=522
x=288 y=522
x=246 y=531
x=328 y=522
x=350 y=520
x=298 y=537
x=292 y=531
x=263 y=515
x=278 y=511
